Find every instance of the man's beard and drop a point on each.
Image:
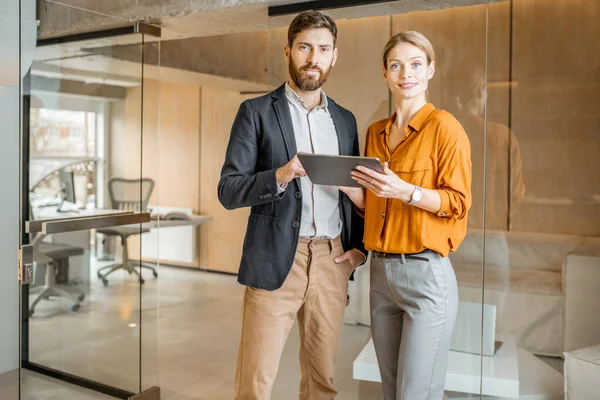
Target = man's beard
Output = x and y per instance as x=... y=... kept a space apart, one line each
x=301 y=79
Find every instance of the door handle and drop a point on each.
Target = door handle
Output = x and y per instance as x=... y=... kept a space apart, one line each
x=85 y=223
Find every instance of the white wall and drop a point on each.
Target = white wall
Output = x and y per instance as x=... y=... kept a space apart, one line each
x=9 y=201
x=9 y=227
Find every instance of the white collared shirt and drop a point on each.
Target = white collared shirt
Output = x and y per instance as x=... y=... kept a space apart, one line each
x=315 y=134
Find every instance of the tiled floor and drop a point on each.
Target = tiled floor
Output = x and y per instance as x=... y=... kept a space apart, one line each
x=194 y=350
x=199 y=318
x=39 y=387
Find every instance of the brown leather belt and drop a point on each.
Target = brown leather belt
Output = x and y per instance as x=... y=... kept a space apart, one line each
x=422 y=256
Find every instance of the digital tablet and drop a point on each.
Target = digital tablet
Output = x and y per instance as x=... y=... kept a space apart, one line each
x=335 y=170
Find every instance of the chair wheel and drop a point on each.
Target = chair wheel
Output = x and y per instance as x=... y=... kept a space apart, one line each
x=155 y=274
x=142 y=281
x=99 y=275
x=105 y=281
x=75 y=308
x=81 y=297
x=31 y=312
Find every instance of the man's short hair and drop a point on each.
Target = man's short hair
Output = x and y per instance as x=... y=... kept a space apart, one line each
x=311 y=20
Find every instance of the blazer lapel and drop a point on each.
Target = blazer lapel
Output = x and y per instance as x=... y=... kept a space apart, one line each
x=282 y=110
x=344 y=143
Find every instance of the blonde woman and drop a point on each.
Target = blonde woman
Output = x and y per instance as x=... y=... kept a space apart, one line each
x=415 y=214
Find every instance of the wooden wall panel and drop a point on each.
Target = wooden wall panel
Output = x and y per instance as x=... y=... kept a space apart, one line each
x=220 y=239
x=172 y=156
x=169 y=156
x=125 y=136
x=117 y=133
x=176 y=145
x=556 y=114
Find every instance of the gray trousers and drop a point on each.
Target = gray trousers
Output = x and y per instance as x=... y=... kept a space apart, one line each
x=413 y=309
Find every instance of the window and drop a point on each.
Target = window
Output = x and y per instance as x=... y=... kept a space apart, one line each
x=62 y=133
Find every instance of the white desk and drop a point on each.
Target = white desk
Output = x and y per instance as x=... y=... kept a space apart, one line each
x=513 y=373
x=500 y=372
x=172 y=241
x=194 y=220
x=50 y=213
x=169 y=246
x=79 y=267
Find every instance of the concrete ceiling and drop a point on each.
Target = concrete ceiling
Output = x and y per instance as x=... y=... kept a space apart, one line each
x=66 y=17
x=194 y=34
x=195 y=18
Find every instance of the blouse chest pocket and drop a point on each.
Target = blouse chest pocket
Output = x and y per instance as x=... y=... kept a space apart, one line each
x=413 y=171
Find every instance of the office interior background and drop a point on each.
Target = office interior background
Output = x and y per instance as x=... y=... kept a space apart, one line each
x=116 y=120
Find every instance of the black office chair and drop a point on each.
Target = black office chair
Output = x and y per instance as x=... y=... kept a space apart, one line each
x=130 y=195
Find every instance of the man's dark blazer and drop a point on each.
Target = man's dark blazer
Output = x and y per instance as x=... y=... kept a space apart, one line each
x=262 y=140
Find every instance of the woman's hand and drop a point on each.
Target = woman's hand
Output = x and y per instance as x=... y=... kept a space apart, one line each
x=387 y=185
x=357 y=195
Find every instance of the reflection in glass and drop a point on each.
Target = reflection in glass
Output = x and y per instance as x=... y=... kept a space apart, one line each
x=79 y=122
x=500 y=164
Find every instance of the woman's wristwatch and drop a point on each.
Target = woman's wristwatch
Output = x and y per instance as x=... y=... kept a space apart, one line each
x=416 y=197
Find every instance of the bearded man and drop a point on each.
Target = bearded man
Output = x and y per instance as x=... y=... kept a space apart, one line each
x=303 y=241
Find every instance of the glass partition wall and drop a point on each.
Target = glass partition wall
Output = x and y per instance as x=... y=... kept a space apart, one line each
x=90 y=316
x=541 y=268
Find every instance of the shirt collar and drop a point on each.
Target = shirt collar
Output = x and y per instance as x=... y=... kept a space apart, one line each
x=416 y=122
x=295 y=98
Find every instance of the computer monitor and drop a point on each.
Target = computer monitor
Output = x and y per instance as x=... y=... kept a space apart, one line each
x=67 y=187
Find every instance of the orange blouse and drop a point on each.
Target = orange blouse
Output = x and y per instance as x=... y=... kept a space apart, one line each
x=434 y=154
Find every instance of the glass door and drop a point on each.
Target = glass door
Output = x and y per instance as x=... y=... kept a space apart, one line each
x=87 y=194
